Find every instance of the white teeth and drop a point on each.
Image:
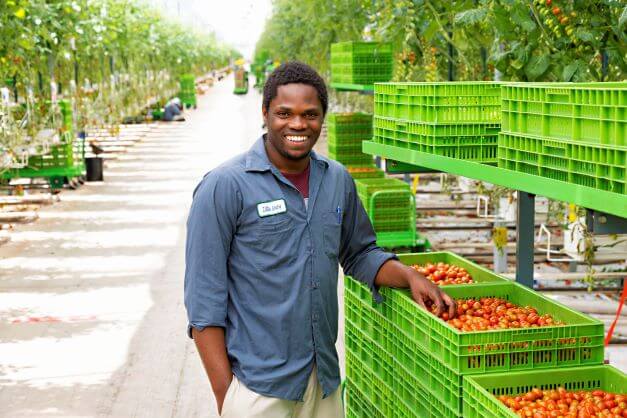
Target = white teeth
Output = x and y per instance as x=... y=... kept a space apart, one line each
x=292 y=138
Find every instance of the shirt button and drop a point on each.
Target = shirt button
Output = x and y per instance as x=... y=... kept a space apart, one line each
x=314 y=317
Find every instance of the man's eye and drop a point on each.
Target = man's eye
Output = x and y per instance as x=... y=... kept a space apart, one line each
x=282 y=114
x=311 y=115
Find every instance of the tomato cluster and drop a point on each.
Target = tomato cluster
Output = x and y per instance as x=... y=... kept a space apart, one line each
x=494 y=313
x=443 y=274
x=567 y=404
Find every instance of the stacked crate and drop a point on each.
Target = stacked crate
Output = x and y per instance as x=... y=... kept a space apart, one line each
x=452 y=119
x=187 y=93
x=391 y=208
x=361 y=63
x=345 y=133
x=576 y=133
x=402 y=361
x=480 y=391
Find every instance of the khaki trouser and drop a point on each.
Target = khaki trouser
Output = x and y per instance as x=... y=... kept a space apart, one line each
x=241 y=402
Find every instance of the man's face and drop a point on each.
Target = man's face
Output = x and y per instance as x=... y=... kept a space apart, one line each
x=294 y=120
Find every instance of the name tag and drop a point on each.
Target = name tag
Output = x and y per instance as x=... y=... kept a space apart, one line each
x=271 y=208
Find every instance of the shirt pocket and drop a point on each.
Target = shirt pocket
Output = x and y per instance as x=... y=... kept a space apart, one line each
x=274 y=246
x=331 y=234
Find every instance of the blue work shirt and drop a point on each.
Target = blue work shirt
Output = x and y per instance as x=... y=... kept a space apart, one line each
x=263 y=266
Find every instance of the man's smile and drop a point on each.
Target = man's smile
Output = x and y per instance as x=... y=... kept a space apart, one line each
x=296 y=138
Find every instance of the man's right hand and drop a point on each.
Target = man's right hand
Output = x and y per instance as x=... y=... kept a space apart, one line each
x=212 y=349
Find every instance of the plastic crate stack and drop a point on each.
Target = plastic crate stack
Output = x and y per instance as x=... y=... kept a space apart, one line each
x=402 y=361
x=452 y=119
x=345 y=133
x=576 y=133
x=187 y=94
x=391 y=208
x=361 y=63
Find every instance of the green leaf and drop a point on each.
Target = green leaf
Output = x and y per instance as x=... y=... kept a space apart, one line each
x=584 y=34
x=431 y=30
x=623 y=18
x=537 y=66
x=471 y=16
x=570 y=70
x=520 y=16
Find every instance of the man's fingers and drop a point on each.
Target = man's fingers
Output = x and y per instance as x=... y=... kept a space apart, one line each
x=452 y=306
x=439 y=302
x=421 y=302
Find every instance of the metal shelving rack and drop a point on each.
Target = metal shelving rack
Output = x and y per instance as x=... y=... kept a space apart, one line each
x=606 y=211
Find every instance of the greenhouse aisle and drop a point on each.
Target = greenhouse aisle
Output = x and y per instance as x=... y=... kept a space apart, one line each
x=92 y=321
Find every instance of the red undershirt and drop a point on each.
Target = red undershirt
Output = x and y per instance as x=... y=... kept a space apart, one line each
x=300 y=181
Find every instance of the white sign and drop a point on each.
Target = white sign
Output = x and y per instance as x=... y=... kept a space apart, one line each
x=271 y=208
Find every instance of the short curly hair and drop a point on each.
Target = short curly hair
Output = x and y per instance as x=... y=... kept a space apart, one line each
x=294 y=72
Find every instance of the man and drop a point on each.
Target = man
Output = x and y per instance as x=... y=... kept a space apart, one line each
x=265 y=233
x=172 y=111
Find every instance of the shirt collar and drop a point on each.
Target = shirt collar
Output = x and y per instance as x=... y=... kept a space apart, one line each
x=257 y=158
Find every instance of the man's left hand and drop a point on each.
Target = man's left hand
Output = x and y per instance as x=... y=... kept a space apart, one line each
x=395 y=274
x=424 y=290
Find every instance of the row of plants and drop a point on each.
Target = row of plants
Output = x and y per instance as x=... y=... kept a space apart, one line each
x=520 y=40
x=109 y=58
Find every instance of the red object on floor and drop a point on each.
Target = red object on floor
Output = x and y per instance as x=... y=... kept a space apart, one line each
x=623 y=296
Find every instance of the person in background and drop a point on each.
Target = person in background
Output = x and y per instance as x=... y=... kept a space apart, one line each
x=172 y=111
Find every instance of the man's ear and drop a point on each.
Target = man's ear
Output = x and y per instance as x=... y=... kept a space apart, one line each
x=264 y=114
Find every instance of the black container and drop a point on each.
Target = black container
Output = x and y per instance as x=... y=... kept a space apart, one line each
x=94 y=165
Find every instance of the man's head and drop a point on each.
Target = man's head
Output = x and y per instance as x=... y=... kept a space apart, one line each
x=294 y=104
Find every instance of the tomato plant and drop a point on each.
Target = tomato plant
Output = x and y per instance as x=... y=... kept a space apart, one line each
x=542 y=40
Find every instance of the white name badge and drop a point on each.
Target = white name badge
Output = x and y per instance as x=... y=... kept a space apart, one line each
x=271 y=208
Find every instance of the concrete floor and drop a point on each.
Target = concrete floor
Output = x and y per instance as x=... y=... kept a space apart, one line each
x=91 y=314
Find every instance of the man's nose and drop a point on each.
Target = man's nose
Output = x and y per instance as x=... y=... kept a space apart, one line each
x=297 y=123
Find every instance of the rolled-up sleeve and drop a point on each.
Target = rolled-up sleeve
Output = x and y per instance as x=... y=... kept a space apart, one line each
x=360 y=257
x=210 y=227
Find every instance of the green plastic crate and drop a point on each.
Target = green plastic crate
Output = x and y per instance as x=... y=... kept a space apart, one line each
x=370 y=174
x=580 y=342
x=393 y=398
x=349 y=118
x=471 y=142
x=361 y=62
x=388 y=353
x=391 y=208
x=589 y=113
x=357 y=405
x=362 y=47
x=444 y=102
x=367 y=187
x=480 y=391
x=345 y=149
x=478 y=273
x=187 y=82
x=363 y=160
x=598 y=166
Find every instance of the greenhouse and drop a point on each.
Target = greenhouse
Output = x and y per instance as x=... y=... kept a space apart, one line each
x=323 y=209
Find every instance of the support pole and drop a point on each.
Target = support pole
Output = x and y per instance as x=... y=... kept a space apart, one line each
x=525 y=231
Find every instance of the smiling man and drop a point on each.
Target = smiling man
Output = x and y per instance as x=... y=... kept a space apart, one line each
x=264 y=237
